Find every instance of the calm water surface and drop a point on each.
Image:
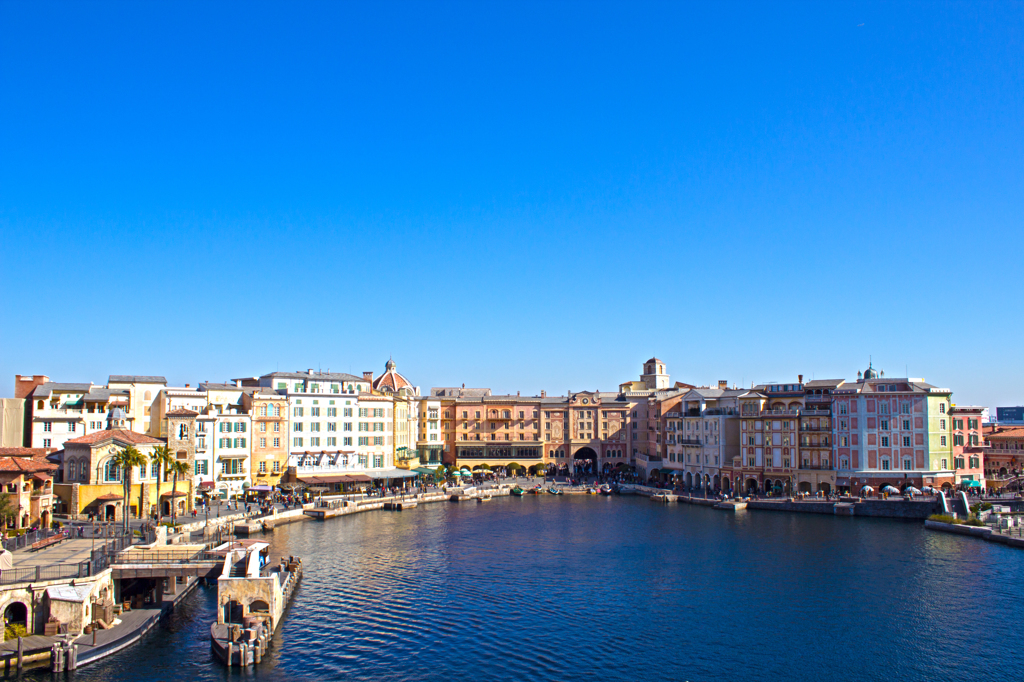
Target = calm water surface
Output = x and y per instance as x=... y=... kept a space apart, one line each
x=619 y=588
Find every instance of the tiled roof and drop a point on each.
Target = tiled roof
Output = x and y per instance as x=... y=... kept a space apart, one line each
x=122 y=435
x=182 y=412
x=1006 y=433
x=135 y=379
x=26 y=465
x=44 y=390
x=25 y=452
x=315 y=376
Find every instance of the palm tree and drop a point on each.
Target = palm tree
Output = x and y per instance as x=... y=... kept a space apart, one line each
x=127 y=459
x=178 y=468
x=163 y=457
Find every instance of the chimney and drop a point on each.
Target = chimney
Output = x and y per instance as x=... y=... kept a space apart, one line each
x=186 y=385
x=24 y=385
x=799 y=378
x=517 y=394
x=368 y=376
x=238 y=383
x=723 y=384
x=543 y=394
x=309 y=371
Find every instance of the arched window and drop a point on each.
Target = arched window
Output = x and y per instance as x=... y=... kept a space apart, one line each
x=111 y=471
x=148 y=396
x=183 y=432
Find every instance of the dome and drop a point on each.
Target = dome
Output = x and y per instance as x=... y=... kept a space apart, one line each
x=117 y=414
x=390 y=381
x=870 y=372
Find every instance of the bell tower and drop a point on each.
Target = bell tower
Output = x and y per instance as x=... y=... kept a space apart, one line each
x=655 y=377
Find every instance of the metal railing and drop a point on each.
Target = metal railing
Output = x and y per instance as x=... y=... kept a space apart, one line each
x=28 y=539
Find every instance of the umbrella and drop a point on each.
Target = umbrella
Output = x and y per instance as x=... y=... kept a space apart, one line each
x=867 y=488
x=911 y=490
x=457 y=473
x=892 y=490
x=929 y=489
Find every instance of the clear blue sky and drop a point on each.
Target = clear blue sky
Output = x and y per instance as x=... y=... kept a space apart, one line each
x=520 y=195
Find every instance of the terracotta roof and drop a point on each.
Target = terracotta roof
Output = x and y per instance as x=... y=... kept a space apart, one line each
x=26 y=465
x=25 y=452
x=117 y=434
x=182 y=412
x=109 y=497
x=1017 y=432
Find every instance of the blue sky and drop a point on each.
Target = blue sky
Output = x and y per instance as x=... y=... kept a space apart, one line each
x=515 y=195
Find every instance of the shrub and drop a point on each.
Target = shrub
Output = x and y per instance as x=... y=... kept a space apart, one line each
x=14 y=631
x=944 y=518
x=974 y=521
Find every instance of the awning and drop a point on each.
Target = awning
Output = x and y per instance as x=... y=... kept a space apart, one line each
x=357 y=478
x=233 y=455
x=425 y=471
x=331 y=478
x=392 y=473
x=262 y=488
x=206 y=485
x=174 y=494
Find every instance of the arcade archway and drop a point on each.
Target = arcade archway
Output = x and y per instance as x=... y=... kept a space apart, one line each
x=584 y=462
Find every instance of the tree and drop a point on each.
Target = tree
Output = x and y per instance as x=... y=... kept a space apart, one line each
x=127 y=459
x=441 y=472
x=178 y=468
x=162 y=456
x=7 y=509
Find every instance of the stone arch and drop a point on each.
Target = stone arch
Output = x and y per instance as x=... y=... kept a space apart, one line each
x=825 y=488
x=804 y=486
x=258 y=606
x=16 y=613
x=716 y=483
x=689 y=480
x=751 y=485
x=726 y=484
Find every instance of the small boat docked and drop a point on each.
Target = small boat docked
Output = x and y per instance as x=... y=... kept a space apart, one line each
x=517 y=491
x=606 y=489
x=554 y=491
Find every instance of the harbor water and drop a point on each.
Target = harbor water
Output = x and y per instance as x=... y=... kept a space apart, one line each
x=620 y=588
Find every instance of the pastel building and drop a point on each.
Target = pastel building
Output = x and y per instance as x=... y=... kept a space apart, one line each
x=892 y=431
x=969 y=446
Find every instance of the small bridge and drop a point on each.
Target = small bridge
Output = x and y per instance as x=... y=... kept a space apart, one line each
x=184 y=562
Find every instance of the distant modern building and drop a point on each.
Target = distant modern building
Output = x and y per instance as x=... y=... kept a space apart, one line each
x=1010 y=416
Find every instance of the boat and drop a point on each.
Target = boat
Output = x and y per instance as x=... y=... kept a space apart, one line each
x=536 y=490
x=554 y=491
x=517 y=491
x=244 y=627
x=591 y=491
x=606 y=489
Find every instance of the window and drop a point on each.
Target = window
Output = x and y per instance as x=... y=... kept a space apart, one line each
x=364 y=412
x=315 y=426
x=347 y=412
x=155 y=468
x=364 y=440
x=201 y=469
x=844 y=441
x=908 y=464
x=885 y=464
x=239 y=442
x=297 y=442
x=297 y=426
x=111 y=471
x=332 y=441
x=942 y=408
x=842 y=408
x=277 y=442
x=347 y=426
x=314 y=411
x=277 y=467
x=314 y=442
x=906 y=424
x=906 y=441
x=942 y=440
x=230 y=467
x=296 y=411
x=47 y=427
x=378 y=461
x=884 y=424
x=348 y=440
x=885 y=441
x=263 y=442
x=277 y=427
x=263 y=467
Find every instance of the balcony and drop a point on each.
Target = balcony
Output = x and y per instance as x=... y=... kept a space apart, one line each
x=815 y=446
x=814 y=429
x=690 y=441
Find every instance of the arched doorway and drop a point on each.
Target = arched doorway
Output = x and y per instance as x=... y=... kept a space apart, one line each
x=16 y=614
x=44 y=519
x=110 y=513
x=233 y=612
x=804 y=486
x=726 y=485
x=751 y=486
x=716 y=483
x=689 y=480
x=825 y=488
x=584 y=462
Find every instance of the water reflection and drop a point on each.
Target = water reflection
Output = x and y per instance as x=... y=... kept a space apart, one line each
x=618 y=588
